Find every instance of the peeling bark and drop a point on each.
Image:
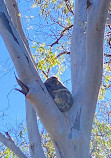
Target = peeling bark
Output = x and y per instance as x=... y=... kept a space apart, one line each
x=77 y=121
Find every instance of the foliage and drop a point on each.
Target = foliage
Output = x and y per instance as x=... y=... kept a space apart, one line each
x=61 y=8
x=48 y=61
x=47 y=145
x=100 y=139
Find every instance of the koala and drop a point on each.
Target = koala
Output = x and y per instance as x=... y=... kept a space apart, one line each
x=60 y=94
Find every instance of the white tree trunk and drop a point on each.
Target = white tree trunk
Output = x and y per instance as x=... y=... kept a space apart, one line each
x=78 y=46
x=33 y=132
x=70 y=131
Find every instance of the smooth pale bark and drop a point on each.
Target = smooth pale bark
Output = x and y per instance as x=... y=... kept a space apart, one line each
x=33 y=132
x=78 y=45
x=11 y=145
x=31 y=119
x=85 y=95
x=95 y=38
x=15 y=16
x=70 y=132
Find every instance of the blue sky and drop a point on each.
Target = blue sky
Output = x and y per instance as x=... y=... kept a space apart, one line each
x=12 y=106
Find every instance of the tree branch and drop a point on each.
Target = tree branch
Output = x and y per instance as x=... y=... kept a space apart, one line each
x=107 y=55
x=15 y=16
x=88 y=93
x=78 y=46
x=33 y=132
x=68 y=5
x=97 y=14
x=62 y=53
x=61 y=35
x=11 y=145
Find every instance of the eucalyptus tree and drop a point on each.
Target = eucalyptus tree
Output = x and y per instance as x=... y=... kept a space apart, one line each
x=69 y=131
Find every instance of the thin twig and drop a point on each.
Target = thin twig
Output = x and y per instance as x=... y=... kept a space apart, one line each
x=68 y=5
x=61 y=35
x=66 y=52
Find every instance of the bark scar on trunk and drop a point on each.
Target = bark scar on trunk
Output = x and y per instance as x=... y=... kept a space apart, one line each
x=24 y=89
x=88 y=3
x=77 y=120
x=7 y=25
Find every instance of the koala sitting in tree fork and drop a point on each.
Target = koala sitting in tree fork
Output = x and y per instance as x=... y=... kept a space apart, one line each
x=60 y=94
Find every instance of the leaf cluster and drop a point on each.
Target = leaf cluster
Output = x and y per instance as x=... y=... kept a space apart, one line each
x=48 y=61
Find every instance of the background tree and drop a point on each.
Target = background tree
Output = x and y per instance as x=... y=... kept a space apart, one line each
x=76 y=61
